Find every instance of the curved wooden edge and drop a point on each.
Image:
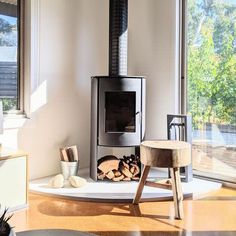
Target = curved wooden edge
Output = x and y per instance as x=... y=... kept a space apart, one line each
x=166 y=144
x=108 y=200
x=8 y=153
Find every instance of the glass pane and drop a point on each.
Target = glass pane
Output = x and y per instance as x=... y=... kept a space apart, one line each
x=211 y=91
x=120 y=111
x=9 y=54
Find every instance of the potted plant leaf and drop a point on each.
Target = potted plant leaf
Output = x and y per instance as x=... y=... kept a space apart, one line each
x=5 y=228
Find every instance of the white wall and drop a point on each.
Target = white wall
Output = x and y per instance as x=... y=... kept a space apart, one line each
x=152 y=47
x=70 y=44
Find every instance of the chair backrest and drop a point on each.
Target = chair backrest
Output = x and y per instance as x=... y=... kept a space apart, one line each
x=179 y=127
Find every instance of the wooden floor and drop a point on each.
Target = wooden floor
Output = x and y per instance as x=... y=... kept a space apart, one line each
x=213 y=215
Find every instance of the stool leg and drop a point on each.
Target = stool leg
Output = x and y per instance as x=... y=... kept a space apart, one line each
x=141 y=184
x=177 y=192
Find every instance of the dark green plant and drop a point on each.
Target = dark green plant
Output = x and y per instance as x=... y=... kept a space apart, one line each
x=4 y=226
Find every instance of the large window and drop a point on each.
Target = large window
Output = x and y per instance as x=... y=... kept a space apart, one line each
x=211 y=85
x=10 y=85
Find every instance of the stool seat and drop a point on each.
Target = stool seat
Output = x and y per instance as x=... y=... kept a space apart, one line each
x=170 y=154
x=165 y=153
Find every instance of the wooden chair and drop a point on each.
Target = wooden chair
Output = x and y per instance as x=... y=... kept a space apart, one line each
x=165 y=154
x=179 y=127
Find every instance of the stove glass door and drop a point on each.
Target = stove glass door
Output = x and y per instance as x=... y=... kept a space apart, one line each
x=119 y=112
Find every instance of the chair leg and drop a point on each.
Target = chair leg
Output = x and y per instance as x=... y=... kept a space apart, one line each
x=141 y=184
x=177 y=193
x=188 y=173
x=169 y=176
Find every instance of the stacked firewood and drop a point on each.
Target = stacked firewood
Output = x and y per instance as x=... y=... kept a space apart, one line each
x=69 y=154
x=123 y=169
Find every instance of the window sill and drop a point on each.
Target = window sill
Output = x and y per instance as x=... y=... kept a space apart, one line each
x=13 y=112
x=14 y=121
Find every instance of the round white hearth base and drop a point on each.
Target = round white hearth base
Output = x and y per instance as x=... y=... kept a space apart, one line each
x=105 y=191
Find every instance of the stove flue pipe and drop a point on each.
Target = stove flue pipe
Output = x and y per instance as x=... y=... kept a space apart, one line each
x=118 y=37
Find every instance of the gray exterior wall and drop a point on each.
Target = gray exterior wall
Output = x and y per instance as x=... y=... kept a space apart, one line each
x=8 y=80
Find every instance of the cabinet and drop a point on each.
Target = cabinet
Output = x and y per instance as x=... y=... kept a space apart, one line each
x=13 y=179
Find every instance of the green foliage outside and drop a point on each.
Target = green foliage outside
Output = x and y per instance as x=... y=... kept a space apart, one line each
x=5 y=26
x=5 y=29
x=212 y=61
x=9 y=104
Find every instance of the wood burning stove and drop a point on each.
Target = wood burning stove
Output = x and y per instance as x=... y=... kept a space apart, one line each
x=118 y=102
x=117 y=114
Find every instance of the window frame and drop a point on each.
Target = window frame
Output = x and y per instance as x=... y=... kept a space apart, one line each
x=183 y=54
x=183 y=91
x=20 y=61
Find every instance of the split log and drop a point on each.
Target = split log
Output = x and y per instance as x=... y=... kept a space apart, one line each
x=70 y=154
x=126 y=179
x=110 y=175
x=131 y=159
x=126 y=172
x=132 y=169
x=101 y=176
x=117 y=173
x=116 y=179
x=125 y=169
x=125 y=164
x=135 y=178
x=136 y=169
x=75 y=152
x=64 y=156
x=108 y=163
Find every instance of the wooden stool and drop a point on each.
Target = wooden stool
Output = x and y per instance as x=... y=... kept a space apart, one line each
x=165 y=154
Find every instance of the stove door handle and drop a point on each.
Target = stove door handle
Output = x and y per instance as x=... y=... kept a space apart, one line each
x=140 y=116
